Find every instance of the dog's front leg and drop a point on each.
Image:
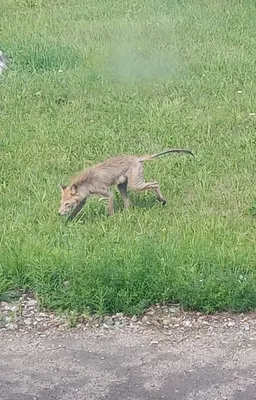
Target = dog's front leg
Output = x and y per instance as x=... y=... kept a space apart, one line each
x=77 y=209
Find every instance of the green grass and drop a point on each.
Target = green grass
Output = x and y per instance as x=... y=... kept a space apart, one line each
x=89 y=80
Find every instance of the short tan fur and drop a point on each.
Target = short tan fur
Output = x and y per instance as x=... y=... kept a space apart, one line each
x=123 y=171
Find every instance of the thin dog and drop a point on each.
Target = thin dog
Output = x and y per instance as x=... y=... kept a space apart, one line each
x=123 y=171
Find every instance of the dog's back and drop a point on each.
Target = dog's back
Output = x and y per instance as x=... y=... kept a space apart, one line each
x=110 y=172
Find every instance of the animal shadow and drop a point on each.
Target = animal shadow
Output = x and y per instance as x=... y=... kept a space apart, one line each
x=98 y=211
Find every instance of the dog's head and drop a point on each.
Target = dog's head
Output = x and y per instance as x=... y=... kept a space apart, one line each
x=69 y=199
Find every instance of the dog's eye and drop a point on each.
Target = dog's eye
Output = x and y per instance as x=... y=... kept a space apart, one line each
x=66 y=204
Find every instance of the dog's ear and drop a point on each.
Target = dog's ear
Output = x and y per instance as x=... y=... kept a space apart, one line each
x=73 y=190
x=62 y=187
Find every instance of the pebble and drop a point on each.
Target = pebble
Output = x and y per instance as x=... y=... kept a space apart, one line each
x=11 y=327
x=2 y=324
x=155 y=323
x=119 y=315
x=174 y=310
x=187 y=324
x=43 y=315
x=108 y=321
x=14 y=308
x=246 y=327
x=32 y=303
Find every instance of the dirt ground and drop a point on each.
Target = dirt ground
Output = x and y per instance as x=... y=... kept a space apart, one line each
x=207 y=364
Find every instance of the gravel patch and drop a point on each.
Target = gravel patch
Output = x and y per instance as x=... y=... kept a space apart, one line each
x=25 y=314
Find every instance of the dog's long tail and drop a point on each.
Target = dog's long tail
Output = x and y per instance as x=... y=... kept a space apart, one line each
x=151 y=156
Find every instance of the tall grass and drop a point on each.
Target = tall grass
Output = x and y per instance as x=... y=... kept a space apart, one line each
x=88 y=81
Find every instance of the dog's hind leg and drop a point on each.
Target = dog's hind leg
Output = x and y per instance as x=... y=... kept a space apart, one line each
x=137 y=183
